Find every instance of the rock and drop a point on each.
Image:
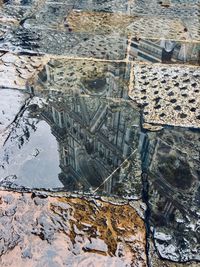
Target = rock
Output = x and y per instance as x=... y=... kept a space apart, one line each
x=69 y=230
x=152 y=127
x=8 y=199
x=26 y=253
x=40 y=201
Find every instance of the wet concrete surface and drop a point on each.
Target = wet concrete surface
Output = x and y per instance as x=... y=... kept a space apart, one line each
x=99 y=133
x=41 y=230
x=43 y=151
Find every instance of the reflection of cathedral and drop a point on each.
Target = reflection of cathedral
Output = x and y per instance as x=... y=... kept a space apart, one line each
x=95 y=135
x=151 y=51
x=173 y=165
x=94 y=138
x=90 y=77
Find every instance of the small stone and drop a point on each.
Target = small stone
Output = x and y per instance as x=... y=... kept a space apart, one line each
x=8 y=199
x=40 y=201
x=11 y=211
x=152 y=127
x=27 y=253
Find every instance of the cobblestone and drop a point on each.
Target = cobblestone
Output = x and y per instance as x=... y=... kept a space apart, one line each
x=170 y=95
x=100 y=123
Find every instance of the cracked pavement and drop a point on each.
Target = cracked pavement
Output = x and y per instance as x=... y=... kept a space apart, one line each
x=99 y=133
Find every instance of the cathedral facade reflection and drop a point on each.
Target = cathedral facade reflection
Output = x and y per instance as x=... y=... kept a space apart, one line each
x=165 y=51
x=95 y=135
x=102 y=146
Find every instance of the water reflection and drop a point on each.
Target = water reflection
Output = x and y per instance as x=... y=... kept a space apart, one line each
x=18 y=2
x=172 y=162
x=166 y=51
x=92 y=144
x=96 y=139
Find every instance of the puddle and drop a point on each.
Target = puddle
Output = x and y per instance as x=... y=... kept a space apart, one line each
x=69 y=126
x=30 y=157
x=95 y=146
x=75 y=143
x=173 y=161
x=11 y=102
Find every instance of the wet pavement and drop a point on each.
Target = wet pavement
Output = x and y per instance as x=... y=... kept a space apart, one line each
x=60 y=231
x=100 y=133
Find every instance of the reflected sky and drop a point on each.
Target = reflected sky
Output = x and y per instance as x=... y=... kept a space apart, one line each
x=32 y=161
x=76 y=129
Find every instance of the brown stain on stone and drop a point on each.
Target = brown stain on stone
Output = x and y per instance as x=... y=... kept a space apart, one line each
x=113 y=223
x=101 y=22
x=76 y=229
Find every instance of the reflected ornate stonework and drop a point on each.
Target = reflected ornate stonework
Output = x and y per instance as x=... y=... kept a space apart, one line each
x=100 y=99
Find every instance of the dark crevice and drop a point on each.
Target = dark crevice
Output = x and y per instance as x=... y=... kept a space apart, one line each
x=145 y=191
x=145 y=198
x=17 y=117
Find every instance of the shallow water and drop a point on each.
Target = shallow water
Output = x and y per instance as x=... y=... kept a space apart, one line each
x=76 y=144
x=94 y=105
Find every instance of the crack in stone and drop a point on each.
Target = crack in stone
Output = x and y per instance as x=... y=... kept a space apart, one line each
x=14 y=123
x=125 y=161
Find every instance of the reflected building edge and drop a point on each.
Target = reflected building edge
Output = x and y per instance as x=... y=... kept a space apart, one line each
x=94 y=138
x=98 y=138
x=174 y=171
x=165 y=51
x=172 y=163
